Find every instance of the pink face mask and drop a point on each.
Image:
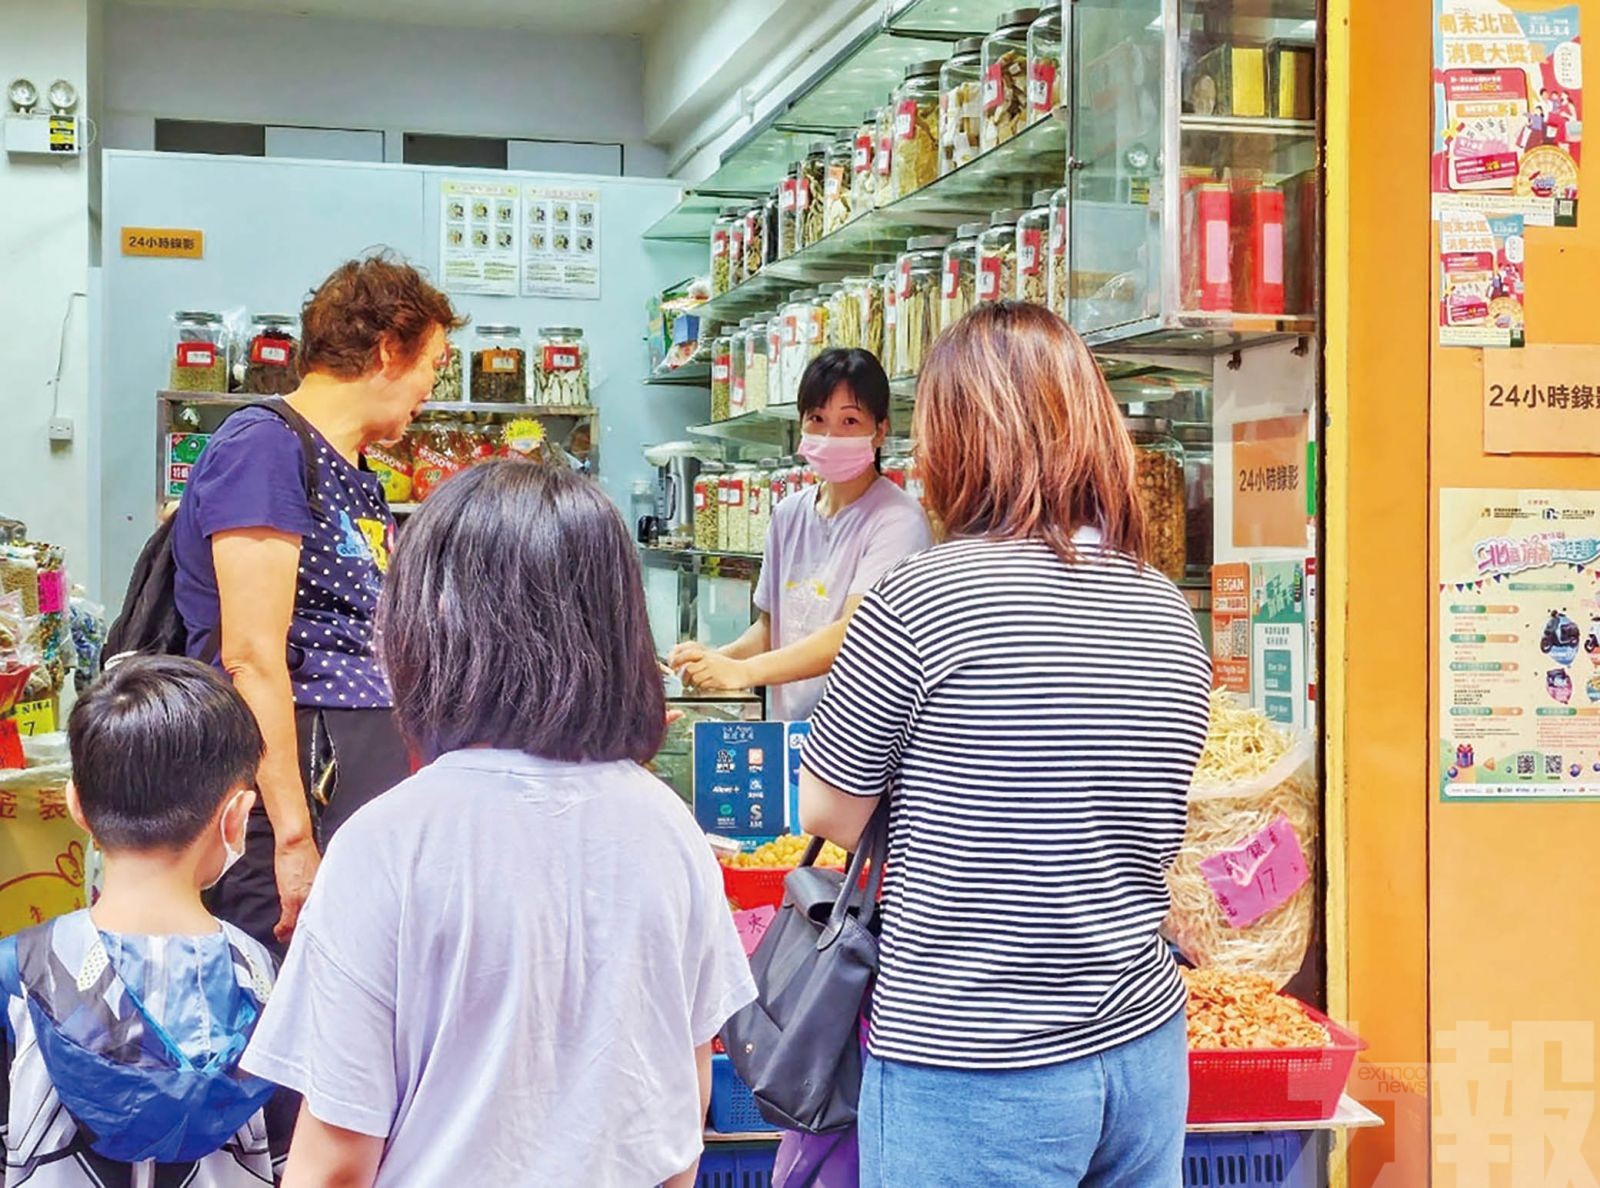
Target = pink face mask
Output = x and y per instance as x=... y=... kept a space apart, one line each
x=837 y=459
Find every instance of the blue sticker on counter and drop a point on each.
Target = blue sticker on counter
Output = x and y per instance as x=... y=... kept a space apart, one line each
x=795 y=737
x=740 y=775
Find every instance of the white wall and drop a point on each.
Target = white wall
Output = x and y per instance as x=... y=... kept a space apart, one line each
x=322 y=72
x=44 y=259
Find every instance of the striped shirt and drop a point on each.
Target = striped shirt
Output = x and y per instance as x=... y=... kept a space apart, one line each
x=1036 y=726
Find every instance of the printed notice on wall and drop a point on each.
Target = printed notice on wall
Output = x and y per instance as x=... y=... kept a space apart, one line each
x=1508 y=108
x=1542 y=400
x=1519 y=644
x=478 y=250
x=1271 y=489
x=1480 y=278
x=561 y=242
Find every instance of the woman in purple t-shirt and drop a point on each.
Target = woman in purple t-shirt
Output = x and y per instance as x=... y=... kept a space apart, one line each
x=281 y=588
x=826 y=547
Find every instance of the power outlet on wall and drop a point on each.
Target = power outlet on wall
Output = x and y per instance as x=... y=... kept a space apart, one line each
x=60 y=428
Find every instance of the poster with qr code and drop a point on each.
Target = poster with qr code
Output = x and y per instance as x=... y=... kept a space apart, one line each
x=1519 y=645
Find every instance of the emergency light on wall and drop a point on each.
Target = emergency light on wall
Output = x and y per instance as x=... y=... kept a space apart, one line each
x=52 y=134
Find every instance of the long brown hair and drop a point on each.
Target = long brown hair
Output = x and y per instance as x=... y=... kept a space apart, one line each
x=1018 y=437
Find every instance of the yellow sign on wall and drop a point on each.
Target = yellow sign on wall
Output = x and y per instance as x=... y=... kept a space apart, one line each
x=177 y=243
x=1544 y=399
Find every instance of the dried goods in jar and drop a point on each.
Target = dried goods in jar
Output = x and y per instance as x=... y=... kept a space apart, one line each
x=917 y=302
x=810 y=208
x=271 y=364
x=863 y=180
x=959 y=282
x=1044 y=64
x=706 y=510
x=199 y=353
x=997 y=257
x=722 y=378
x=1033 y=234
x=916 y=129
x=1163 y=493
x=755 y=240
x=447 y=383
x=500 y=366
x=1059 y=291
x=1005 y=77
x=883 y=159
x=788 y=222
x=836 y=194
x=757 y=367
x=961 y=106
x=722 y=251
x=872 y=316
x=561 y=367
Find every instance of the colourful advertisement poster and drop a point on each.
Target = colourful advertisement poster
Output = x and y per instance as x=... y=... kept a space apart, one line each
x=1481 y=283
x=1519 y=645
x=1508 y=108
x=1279 y=681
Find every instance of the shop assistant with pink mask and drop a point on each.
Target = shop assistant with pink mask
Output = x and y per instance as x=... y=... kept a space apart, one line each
x=826 y=548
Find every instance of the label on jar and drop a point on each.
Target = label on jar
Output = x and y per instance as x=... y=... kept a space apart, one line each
x=1028 y=256
x=802 y=192
x=774 y=343
x=862 y=160
x=891 y=311
x=791 y=330
x=905 y=279
x=699 y=498
x=885 y=158
x=813 y=329
x=736 y=394
x=736 y=493
x=501 y=361
x=989 y=279
x=562 y=358
x=786 y=195
x=719 y=243
x=1058 y=237
x=905 y=120
x=721 y=369
x=270 y=352
x=994 y=87
x=197 y=354
x=952 y=279
x=1042 y=87
x=835 y=188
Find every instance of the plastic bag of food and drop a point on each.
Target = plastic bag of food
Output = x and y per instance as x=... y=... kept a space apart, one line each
x=433 y=460
x=1253 y=776
x=393 y=466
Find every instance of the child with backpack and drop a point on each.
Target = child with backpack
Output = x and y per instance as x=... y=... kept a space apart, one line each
x=125 y=1022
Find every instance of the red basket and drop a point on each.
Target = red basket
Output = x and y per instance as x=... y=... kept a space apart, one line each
x=1275 y=1084
x=748 y=888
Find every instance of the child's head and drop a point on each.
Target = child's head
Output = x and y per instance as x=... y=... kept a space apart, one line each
x=163 y=750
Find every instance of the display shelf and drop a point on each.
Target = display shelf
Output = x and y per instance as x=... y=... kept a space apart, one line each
x=219 y=398
x=1246 y=126
x=690 y=221
x=695 y=374
x=578 y=411
x=947 y=19
x=1200 y=334
x=692 y=554
x=769 y=426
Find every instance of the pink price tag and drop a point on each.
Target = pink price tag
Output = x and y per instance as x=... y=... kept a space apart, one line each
x=1260 y=875
x=753 y=925
x=52 y=592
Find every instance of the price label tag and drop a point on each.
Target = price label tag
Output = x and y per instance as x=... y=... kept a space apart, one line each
x=753 y=924
x=35 y=717
x=1259 y=876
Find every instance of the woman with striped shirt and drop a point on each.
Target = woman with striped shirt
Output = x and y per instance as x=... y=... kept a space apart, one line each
x=1031 y=699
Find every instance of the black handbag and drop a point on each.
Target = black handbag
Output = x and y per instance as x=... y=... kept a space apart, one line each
x=797 y=1046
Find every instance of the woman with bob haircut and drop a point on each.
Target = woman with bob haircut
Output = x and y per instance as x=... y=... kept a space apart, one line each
x=1030 y=698
x=512 y=965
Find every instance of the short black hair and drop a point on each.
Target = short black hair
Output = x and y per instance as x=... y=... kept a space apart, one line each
x=513 y=616
x=857 y=369
x=157 y=743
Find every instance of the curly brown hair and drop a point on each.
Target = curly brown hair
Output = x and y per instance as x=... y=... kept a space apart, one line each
x=367 y=303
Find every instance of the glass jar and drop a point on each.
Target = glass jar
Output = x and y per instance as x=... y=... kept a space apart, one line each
x=706 y=507
x=755 y=239
x=271 y=361
x=561 y=367
x=847 y=316
x=796 y=330
x=779 y=487
x=721 y=250
x=1058 y=290
x=722 y=376
x=1199 y=484
x=837 y=209
x=863 y=182
x=1159 y=478
x=997 y=256
x=883 y=157
x=772 y=211
x=1044 y=64
x=736 y=252
x=888 y=278
x=917 y=302
x=199 y=352
x=777 y=338
x=810 y=206
x=959 y=285
x=756 y=368
x=734 y=525
x=961 y=105
x=761 y=503
x=872 y=313
x=816 y=326
x=1033 y=238
x=788 y=221
x=896 y=464
x=1005 y=77
x=737 y=394
x=916 y=129
x=447 y=384
x=499 y=366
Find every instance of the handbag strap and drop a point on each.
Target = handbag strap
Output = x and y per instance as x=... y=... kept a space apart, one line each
x=873 y=847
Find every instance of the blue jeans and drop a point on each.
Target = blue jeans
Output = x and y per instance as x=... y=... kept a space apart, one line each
x=1116 y=1119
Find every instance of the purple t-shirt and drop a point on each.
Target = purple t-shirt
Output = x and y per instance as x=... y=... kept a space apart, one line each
x=252 y=475
x=814 y=565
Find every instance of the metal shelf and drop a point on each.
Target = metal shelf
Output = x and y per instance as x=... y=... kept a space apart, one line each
x=690 y=375
x=1200 y=334
x=769 y=426
x=1246 y=125
x=238 y=399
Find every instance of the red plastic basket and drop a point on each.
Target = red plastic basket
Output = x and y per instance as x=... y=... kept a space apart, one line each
x=1274 y=1084
x=753 y=888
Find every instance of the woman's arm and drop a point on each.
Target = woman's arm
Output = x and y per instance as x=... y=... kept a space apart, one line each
x=257 y=574
x=756 y=639
x=324 y=1156
x=831 y=814
x=802 y=660
x=690 y=1175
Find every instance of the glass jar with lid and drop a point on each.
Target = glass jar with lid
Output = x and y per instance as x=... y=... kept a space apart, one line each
x=777 y=338
x=737 y=393
x=997 y=256
x=809 y=204
x=1059 y=285
x=917 y=302
x=888 y=278
x=561 y=367
x=847 y=317
x=722 y=375
x=916 y=128
x=756 y=367
x=883 y=156
x=271 y=358
x=816 y=324
x=736 y=251
x=1199 y=482
x=896 y=464
x=772 y=210
x=1005 y=77
x=734 y=523
x=761 y=502
x=706 y=507
x=499 y=366
x=958 y=289
x=961 y=105
x=1033 y=239
x=721 y=250
x=837 y=209
x=788 y=221
x=796 y=331
x=755 y=239
x=1044 y=64
x=863 y=181
x=199 y=352
x=1159 y=479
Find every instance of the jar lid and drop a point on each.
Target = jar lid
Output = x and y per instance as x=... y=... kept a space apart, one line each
x=1042 y=197
x=819 y=147
x=924 y=68
x=744 y=323
x=757 y=326
x=560 y=332
x=879 y=271
x=968 y=46
x=971 y=230
x=1195 y=435
x=1018 y=16
x=1152 y=425
x=729 y=212
x=871 y=117
x=924 y=243
x=801 y=294
x=828 y=289
x=266 y=319
x=1006 y=218
x=499 y=331
x=196 y=315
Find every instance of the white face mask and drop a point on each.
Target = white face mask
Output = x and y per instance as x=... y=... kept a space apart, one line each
x=230 y=855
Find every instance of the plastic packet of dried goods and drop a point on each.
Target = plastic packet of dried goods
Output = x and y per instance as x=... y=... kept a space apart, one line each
x=393 y=466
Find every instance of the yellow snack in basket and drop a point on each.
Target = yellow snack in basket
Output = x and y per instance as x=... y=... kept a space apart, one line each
x=1245 y=1011
x=784 y=852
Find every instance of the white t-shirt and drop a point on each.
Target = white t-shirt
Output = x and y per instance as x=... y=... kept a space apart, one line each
x=504 y=967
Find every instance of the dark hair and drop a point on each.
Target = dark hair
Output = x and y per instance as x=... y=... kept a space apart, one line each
x=513 y=616
x=857 y=369
x=367 y=303
x=157 y=743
